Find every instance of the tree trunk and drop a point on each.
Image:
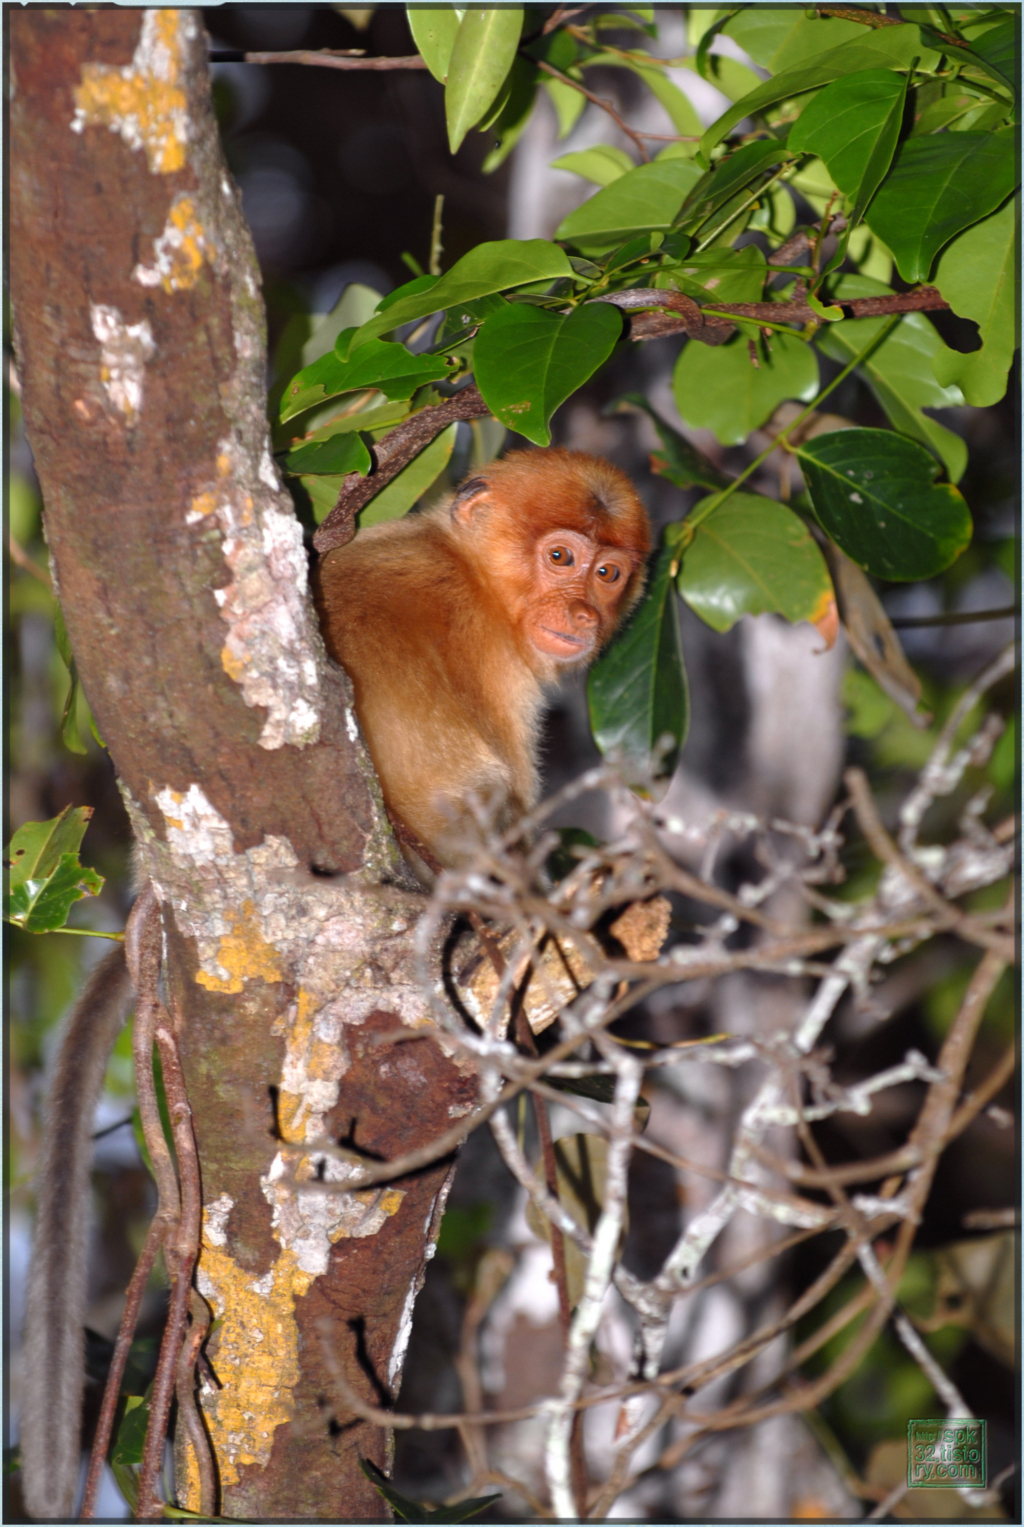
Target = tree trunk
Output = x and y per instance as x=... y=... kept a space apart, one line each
x=183 y=581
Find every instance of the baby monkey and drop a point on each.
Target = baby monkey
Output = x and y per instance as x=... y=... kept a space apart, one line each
x=451 y=623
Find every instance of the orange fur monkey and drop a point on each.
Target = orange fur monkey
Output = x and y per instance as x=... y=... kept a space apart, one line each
x=451 y=622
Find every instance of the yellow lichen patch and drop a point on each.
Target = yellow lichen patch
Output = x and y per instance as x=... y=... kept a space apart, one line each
x=202 y=505
x=145 y=101
x=232 y=665
x=244 y=954
x=179 y=251
x=256 y=1356
x=313 y=1067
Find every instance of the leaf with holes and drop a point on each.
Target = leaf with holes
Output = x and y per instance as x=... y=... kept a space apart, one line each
x=875 y=494
x=44 y=876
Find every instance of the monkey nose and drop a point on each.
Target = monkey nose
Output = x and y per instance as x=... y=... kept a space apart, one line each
x=582 y=614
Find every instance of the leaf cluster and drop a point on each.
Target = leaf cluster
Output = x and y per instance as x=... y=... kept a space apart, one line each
x=898 y=136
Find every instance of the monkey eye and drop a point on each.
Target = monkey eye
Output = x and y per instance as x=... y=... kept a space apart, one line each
x=562 y=556
x=608 y=573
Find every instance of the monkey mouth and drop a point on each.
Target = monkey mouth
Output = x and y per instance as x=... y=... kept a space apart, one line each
x=563 y=643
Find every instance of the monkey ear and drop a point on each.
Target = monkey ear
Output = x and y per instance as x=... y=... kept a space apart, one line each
x=465 y=498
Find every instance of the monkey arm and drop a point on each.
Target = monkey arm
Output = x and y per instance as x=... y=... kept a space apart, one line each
x=54 y=1350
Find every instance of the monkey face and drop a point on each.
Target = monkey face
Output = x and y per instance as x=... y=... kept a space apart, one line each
x=579 y=586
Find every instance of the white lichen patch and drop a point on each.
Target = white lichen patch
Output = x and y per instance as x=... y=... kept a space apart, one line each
x=308 y=1220
x=271 y=638
x=215 y=1219
x=145 y=102
x=179 y=252
x=125 y=350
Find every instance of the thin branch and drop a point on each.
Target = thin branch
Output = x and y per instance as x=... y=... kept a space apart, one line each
x=955 y=617
x=598 y=100
x=676 y=314
x=324 y=58
x=112 y=1390
x=19 y=555
x=390 y=455
x=877 y=19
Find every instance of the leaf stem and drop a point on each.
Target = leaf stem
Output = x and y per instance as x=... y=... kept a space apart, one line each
x=78 y=932
x=751 y=199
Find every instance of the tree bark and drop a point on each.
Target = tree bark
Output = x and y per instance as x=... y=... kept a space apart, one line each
x=182 y=576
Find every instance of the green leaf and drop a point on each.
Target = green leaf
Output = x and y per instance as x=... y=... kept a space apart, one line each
x=415 y=1511
x=37 y=848
x=644 y=199
x=977 y=275
x=887 y=48
x=602 y=164
x=899 y=371
x=875 y=494
x=342 y=453
x=528 y=361
x=495 y=266
x=481 y=57
x=413 y=288
x=468 y=316
x=681 y=462
x=998 y=48
x=370 y=420
x=389 y=368
x=569 y=104
x=848 y=120
x=779 y=37
x=40 y=899
x=434 y=29
x=731 y=174
x=131 y=1434
x=636 y=691
x=356 y=304
x=753 y=556
x=736 y=275
x=641 y=249
x=514 y=115
x=939 y=185
x=681 y=110
x=70 y=734
x=412 y=481
x=581 y=1171
x=719 y=388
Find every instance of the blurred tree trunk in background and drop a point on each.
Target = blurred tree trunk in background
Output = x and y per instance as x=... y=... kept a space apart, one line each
x=182 y=576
